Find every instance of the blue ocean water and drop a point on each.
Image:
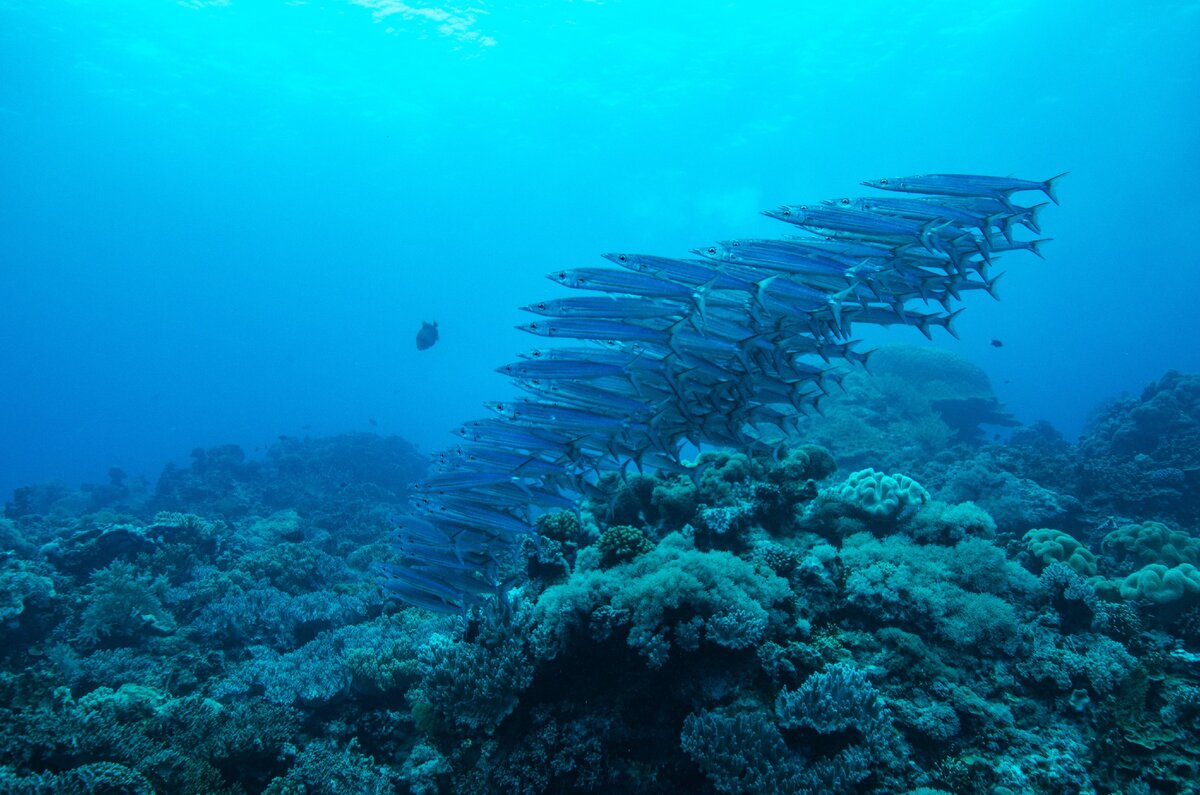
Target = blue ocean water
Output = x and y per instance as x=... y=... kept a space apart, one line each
x=225 y=221
x=707 y=549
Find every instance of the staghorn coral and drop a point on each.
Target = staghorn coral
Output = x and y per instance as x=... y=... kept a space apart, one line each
x=829 y=736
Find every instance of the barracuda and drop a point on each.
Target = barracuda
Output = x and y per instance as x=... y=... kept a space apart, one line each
x=728 y=350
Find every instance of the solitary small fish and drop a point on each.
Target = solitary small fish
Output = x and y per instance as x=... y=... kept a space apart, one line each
x=997 y=344
x=427 y=336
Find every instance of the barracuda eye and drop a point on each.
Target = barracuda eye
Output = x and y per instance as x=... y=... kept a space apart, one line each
x=712 y=249
x=542 y=306
x=623 y=258
x=845 y=202
x=803 y=207
x=883 y=181
x=562 y=276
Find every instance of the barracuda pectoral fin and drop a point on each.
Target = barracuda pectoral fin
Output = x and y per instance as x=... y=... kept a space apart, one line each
x=761 y=289
x=835 y=306
x=700 y=298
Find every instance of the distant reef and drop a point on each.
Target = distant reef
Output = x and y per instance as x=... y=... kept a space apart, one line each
x=915 y=596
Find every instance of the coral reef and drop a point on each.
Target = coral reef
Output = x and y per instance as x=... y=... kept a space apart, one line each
x=982 y=620
x=1141 y=457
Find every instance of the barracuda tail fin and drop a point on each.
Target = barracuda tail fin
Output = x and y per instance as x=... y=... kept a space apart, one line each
x=1030 y=218
x=1049 y=186
x=949 y=323
x=990 y=285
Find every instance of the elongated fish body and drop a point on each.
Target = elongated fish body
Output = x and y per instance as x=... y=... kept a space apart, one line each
x=690 y=273
x=559 y=369
x=729 y=349
x=608 y=306
x=484 y=456
x=611 y=280
x=845 y=220
x=966 y=185
x=806 y=260
x=594 y=329
x=848 y=250
x=534 y=413
x=922 y=212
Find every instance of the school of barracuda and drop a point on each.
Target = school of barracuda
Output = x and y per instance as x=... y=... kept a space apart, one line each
x=727 y=349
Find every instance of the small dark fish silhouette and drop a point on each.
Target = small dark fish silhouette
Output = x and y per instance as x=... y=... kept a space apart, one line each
x=427 y=335
x=997 y=344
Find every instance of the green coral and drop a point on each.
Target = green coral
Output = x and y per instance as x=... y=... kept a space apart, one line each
x=1054 y=546
x=21 y=584
x=965 y=595
x=672 y=596
x=1152 y=542
x=946 y=523
x=1161 y=584
x=796 y=473
x=676 y=500
x=721 y=475
x=559 y=526
x=125 y=603
x=881 y=496
x=806 y=462
x=622 y=543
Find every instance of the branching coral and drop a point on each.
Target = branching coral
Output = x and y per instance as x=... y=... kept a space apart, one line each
x=961 y=594
x=828 y=736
